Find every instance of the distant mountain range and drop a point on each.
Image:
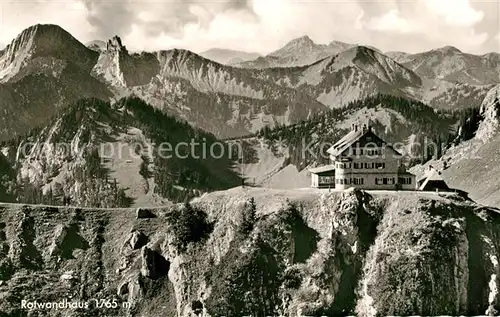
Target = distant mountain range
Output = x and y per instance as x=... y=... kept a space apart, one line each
x=229 y=57
x=450 y=64
x=45 y=68
x=298 y=52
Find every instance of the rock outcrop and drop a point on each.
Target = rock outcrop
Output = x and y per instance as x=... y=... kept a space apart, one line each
x=305 y=253
x=490 y=111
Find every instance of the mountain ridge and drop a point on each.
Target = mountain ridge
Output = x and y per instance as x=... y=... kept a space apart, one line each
x=229 y=57
x=225 y=100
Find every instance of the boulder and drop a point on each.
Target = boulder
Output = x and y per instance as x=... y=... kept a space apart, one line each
x=143 y=213
x=137 y=240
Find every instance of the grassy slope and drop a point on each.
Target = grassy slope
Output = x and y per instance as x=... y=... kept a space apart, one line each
x=478 y=174
x=94 y=124
x=325 y=254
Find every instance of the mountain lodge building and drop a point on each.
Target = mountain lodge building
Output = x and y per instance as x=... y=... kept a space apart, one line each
x=362 y=159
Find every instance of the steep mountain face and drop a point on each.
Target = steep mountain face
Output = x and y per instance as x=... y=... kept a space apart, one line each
x=229 y=57
x=97 y=155
x=298 y=52
x=121 y=70
x=42 y=71
x=257 y=252
x=38 y=45
x=473 y=165
x=351 y=75
x=450 y=64
x=221 y=99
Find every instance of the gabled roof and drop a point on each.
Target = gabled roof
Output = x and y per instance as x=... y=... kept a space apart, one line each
x=432 y=175
x=345 y=142
x=322 y=169
x=432 y=178
x=350 y=138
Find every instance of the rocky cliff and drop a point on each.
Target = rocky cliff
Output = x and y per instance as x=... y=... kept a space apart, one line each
x=473 y=165
x=256 y=252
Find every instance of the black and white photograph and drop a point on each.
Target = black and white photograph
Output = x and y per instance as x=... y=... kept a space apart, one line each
x=249 y=158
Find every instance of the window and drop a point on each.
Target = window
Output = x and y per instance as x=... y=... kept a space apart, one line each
x=344 y=165
x=356 y=166
x=326 y=179
x=369 y=165
x=405 y=180
x=373 y=152
x=358 y=181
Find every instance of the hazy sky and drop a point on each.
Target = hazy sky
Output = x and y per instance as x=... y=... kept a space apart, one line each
x=265 y=25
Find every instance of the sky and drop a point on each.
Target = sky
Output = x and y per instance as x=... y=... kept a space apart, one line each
x=265 y=25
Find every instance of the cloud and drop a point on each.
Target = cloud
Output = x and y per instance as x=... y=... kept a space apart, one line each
x=154 y=17
x=262 y=25
x=430 y=24
x=455 y=12
x=17 y=16
x=391 y=22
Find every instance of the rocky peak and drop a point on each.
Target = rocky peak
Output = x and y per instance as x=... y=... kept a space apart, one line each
x=299 y=45
x=43 y=41
x=30 y=37
x=115 y=44
x=303 y=40
x=362 y=53
x=490 y=111
x=449 y=50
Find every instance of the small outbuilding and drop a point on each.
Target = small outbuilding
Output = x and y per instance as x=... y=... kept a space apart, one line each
x=432 y=181
x=323 y=176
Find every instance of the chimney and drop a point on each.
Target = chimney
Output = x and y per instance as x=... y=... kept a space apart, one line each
x=364 y=127
x=352 y=127
x=356 y=128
